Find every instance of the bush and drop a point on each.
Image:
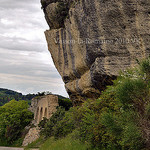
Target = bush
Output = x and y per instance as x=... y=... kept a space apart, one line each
x=124 y=128
x=47 y=131
x=14 y=117
x=65 y=103
x=65 y=126
x=119 y=119
x=132 y=92
x=42 y=123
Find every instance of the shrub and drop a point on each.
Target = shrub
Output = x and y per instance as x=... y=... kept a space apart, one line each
x=65 y=126
x=47 y=131
x=132 y=92
x=65 y=103
x=43 y=123
x=119 y=119
x=124 y=128
x=14 y=117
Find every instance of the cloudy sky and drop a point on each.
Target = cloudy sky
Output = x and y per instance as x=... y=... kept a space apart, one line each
x=25 y=63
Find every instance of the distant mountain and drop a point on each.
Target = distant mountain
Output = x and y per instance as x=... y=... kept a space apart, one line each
x=8 y=95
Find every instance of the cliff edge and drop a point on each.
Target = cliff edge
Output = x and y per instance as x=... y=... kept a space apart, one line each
x=91 y=40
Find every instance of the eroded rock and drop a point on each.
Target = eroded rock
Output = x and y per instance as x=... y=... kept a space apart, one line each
x=99 y=38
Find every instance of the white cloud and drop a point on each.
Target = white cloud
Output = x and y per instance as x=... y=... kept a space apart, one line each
x=38 y=84
x=25 y=63
x=6 y=22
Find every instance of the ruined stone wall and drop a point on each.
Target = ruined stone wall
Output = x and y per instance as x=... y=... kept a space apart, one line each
x=43 y=106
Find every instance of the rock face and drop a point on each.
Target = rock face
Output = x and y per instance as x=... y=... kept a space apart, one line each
x=43 y=106
x=96 y=39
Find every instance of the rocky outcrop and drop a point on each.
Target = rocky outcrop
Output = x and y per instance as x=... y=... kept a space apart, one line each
x=94 y=40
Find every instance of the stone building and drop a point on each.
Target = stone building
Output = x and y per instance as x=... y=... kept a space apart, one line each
x=43 y=106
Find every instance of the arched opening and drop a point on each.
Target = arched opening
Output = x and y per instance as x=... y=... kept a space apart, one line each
x=37 y=114
x=45 y=114
x=41 y=114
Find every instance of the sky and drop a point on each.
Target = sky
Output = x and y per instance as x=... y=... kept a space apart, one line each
x=26 y=65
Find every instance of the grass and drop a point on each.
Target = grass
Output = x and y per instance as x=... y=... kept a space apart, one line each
x=35 y=144
x=66 y=143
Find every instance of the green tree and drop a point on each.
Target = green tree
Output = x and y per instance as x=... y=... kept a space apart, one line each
x=48 y=125
x=14 y=117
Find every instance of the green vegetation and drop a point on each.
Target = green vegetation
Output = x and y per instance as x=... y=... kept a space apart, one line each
x=66 y=103
x=8 y=95
x=118 y=120
x=14 y=117
x=47 y=125
x=66 y=143
x=35 y=144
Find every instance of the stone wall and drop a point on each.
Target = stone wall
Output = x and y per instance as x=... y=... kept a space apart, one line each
x=43 y=106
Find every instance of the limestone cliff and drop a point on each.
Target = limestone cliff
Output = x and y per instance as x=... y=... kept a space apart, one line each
x=91 y=40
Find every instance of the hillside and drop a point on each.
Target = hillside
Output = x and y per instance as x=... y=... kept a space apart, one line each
x=7 y=95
